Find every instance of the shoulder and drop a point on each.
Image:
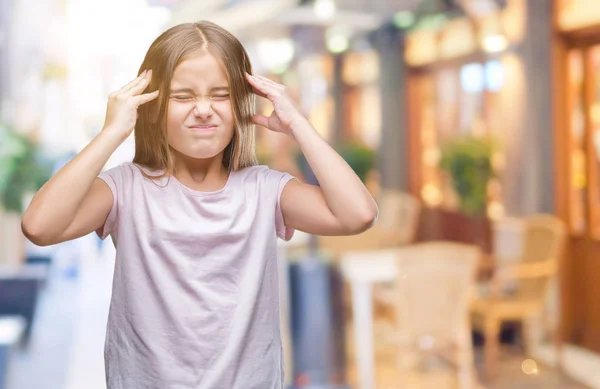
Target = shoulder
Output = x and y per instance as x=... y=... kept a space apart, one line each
x=253 y=171
x=261 y=171
x=128 y=175
x=126 y=168
x=129 y=170
x=262 y=174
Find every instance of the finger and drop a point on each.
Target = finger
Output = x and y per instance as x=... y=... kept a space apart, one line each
x=139 y=87
x=260 y=120
x=258 y=92
x=133 y=82
x=146 y=97
x=266 y=89
x=277 y=88
x=269 y=81
x=257 y=88
x=255 y=80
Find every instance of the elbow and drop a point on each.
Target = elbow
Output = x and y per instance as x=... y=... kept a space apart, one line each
x=365 y=220
x=34 y=235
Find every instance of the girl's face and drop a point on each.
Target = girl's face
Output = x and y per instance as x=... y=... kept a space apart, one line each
x=200 y=120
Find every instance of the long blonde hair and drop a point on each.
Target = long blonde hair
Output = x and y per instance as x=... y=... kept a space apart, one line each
x=166 y=52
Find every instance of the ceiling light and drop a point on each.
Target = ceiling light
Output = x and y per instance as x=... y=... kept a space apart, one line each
x=495 y=43
x=337 y=39
x=324 y=9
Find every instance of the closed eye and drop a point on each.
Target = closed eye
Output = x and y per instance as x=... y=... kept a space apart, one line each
x=220 y=97
x=187 y=98
x=182 y=98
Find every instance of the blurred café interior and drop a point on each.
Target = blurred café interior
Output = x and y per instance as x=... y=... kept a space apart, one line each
x=475 y=124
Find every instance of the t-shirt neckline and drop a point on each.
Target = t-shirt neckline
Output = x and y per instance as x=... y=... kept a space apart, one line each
x=194 y=192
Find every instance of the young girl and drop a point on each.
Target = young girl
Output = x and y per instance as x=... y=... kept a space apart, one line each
x=194 y=220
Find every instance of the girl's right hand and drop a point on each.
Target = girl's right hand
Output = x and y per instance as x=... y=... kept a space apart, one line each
x=121 y=112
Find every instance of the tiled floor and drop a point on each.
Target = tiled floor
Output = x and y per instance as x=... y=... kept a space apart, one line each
x=44 y=362
x=66 y=348
x=511 y=376
x=510 y=373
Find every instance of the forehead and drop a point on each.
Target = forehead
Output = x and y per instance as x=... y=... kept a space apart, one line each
x=201 y=69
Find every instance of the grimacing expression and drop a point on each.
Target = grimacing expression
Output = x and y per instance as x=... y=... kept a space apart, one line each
x=200 y=120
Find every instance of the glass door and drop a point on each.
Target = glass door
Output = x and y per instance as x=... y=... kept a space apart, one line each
x=584 y=140
x=593 y=92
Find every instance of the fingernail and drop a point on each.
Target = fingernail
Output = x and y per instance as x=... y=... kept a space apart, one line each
x=149 y=72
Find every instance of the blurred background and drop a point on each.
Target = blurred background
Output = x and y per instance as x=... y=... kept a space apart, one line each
x=475 y=124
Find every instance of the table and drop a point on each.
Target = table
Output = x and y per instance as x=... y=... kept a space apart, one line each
x=362 y=269
x=20 y=287
x=11 y=330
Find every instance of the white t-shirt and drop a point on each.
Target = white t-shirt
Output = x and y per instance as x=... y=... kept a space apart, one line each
x=195 y=301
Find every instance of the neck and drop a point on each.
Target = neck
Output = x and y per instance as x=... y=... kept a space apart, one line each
x=206 y=174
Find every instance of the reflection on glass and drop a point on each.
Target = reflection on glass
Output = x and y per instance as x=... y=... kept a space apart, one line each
x=430 y=191
x=472 y=78
x=594 y=139
x=494 y=76
x=577 y=139
x=455 y=101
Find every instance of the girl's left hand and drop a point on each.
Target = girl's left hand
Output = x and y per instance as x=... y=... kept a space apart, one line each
x=285 y=113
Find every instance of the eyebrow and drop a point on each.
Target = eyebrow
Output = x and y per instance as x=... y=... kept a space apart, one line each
x=189 y=90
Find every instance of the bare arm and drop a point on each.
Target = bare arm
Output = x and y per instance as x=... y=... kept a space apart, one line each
x=74 y=202
x=50 y=216
x=342 y=205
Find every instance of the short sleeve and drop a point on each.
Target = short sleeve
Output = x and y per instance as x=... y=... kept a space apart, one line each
x=281 y=179
x=114 y=179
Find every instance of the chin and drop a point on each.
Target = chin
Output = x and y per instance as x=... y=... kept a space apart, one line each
x=200 y=152
x=204 y=154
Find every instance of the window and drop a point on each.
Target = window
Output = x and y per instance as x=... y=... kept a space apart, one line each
x=584 y=140
x=455 y=101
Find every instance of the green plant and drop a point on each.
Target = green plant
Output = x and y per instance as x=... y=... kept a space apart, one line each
x=468 y=162
x=23 y=168
x=360 y=158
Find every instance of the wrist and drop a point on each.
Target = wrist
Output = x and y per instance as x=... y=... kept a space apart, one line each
x=299 y=126
x=112 y=135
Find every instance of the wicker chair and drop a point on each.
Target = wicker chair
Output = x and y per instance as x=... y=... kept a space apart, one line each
x=518 y=290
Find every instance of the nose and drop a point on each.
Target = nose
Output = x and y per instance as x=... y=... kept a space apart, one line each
x=203 y=109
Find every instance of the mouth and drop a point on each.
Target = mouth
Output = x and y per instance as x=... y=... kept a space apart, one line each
x=204 y=127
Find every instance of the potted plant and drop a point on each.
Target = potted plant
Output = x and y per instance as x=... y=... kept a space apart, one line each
x=468 y=162
x=360 y=158
x=23 y=170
